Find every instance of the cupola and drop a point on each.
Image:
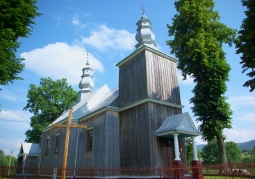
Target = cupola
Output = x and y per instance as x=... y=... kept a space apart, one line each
x=86 y=84
x=144 y=34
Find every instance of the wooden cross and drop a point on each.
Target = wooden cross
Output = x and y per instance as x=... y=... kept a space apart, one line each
x=67 y=126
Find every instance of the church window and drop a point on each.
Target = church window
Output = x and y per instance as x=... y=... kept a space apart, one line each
x=47 y=146
x=56 y=143
x=89 y=139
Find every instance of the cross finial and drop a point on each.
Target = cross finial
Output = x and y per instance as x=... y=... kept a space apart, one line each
x=87 y=58
x=143 y=9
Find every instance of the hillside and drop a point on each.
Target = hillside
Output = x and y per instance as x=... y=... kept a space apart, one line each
x=244 y=145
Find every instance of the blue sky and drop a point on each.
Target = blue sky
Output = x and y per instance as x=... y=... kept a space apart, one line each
x=106 y=28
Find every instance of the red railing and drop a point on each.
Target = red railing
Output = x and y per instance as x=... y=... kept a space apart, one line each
x=230 y=171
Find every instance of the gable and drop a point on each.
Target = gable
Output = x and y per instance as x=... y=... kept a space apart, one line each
x=29 y=149
x=180 y=123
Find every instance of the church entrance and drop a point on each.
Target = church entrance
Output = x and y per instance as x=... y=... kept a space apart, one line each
x=168 y=156
x=167 y=149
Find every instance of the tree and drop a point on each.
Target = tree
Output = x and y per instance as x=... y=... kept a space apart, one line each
x=210 y=151
x=245 y=43
x=47 y=102
x=5 y=159
x=198 y=38
x=189 y=151
x=234 y=154
x=16 y=19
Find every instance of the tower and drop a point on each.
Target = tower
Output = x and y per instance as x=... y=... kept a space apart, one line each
x=86 y=84
x=148 y=93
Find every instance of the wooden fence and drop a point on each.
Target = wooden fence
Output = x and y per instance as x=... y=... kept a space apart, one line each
x=230 y=171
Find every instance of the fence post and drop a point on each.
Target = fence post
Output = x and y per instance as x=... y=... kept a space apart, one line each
x=55 y=172
x=2 y=172
x=92 y=172
x=37 y=172
x=231 y=170
x=160 y=172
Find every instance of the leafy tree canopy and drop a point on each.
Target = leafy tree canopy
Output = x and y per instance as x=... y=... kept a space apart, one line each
x=5 y=159
x=234 y=154
x=198 y=38
x=210 y=151
x=16 y=20
x=47 y=102
x=245 y=44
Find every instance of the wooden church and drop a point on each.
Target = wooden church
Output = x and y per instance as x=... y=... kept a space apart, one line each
x=138 y=124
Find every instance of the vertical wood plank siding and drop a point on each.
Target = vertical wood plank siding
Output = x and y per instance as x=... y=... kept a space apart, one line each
x=55 y=160
x=105 y=145
x=132 y=80
x=148 y=75
x=139 y=145
x=162 y=79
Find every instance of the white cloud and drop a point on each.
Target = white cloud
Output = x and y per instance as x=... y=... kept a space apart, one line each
x=241 y=101
x=239 y=135
x=15 y=119
x=245 y=117
x=105 y=38
x=188 y=81
x=58 y=18
x=7 y=95
x=10 y=142
x=76 y=22
x=14 y=115
x=60 y=60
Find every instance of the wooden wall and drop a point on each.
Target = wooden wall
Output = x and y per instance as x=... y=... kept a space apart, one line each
x=148 y=75
x=162 y=79
x=55 y=160
x=132 y=80
x=105 y=144
x=105 y=148
x=139 y=145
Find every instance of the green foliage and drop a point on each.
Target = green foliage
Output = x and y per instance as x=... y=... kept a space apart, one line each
x=47 y=102
x=198 y=38
x=210 y=151
x=16 y=19
x=5 y=159
x=248 y=160
x=189 y=151
x=245 y=44
x=234 y=154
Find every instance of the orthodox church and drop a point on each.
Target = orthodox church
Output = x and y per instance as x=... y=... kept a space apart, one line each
x=138 y=124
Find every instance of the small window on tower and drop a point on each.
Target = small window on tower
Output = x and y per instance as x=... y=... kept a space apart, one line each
x=57 y=144
x=89 y=139
x=47 y=146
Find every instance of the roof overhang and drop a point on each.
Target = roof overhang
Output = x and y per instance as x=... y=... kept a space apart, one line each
x=180 y=124
x=142 y=48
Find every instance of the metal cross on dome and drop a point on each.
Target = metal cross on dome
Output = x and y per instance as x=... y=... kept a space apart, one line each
x=143 y=10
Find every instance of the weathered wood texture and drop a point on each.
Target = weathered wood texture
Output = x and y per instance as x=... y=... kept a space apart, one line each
x=148 y=75
x=162 y=78
x=105 y=144
x=53 y=159
x=105 y=147
x=139 y=145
